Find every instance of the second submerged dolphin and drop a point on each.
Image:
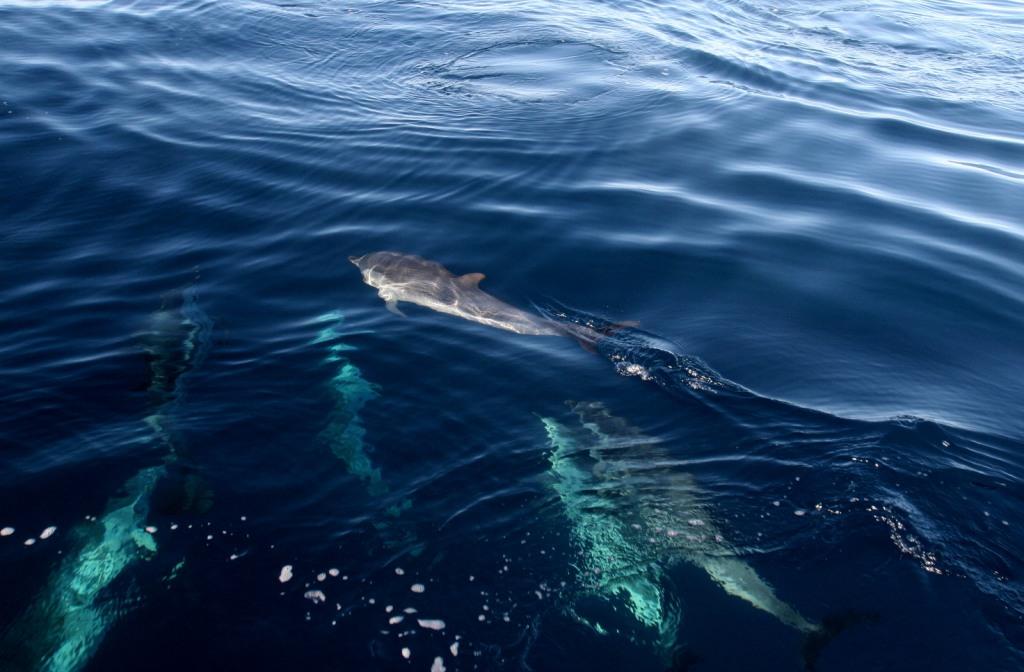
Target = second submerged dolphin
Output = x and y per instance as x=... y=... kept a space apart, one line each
x=406 y=277
x=65 y=624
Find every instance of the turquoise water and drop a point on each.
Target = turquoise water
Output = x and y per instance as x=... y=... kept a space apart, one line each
x=788 y=236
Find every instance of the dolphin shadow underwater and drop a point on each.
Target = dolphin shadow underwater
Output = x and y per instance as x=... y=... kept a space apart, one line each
x=605 y=528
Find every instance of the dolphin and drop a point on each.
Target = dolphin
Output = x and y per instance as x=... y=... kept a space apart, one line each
x=62 y=628
x=630 y=521
x=610 y=566
x=406 y=277
x=345 y=433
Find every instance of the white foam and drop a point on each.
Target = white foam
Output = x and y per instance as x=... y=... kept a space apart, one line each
x=316 y=595
x=48 y=532
x=286 y=574
x=431 y=623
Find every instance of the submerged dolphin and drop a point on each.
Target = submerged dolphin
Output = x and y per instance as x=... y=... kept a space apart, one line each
x=65 y=624
x=630 y=521
x=345 y=433
x=405 y=277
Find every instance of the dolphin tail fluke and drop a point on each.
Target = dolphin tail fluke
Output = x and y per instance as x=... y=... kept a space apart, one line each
x=831 y=627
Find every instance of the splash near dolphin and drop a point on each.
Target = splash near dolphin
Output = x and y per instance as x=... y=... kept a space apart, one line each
x=631 y=521
x=63 y=627
x=405 y=277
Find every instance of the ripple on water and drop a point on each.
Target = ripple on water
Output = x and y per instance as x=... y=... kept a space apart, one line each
x=533 y=71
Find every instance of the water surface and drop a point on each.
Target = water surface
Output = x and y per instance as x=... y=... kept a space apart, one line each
x=820 y=202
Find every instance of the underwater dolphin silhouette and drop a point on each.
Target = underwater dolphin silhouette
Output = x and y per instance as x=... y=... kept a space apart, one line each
x=64 y=626
x=406 y=277
x=631 y=521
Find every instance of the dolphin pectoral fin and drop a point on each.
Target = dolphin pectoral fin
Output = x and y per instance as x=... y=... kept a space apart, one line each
x=470 y=280
x=392 y=306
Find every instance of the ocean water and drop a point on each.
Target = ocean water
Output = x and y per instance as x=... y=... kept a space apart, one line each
x=789 y=236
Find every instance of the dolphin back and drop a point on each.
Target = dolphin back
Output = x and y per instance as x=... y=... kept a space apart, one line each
x=412 y=279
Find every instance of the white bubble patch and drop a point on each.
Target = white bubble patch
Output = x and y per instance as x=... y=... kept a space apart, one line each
x=317 y=596
x=431 y=623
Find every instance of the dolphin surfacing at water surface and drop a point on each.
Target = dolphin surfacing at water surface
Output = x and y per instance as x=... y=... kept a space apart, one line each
x=406 y=277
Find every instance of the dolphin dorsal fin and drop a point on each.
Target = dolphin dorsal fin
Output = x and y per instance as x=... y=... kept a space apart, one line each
x=470 y=279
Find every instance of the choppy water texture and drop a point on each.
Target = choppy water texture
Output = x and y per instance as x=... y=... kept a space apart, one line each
x=796 y=228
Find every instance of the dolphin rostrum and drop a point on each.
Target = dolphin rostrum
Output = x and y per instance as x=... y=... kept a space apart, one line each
x=405 y=277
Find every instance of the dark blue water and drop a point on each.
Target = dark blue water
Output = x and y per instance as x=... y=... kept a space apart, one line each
x=798 y=226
